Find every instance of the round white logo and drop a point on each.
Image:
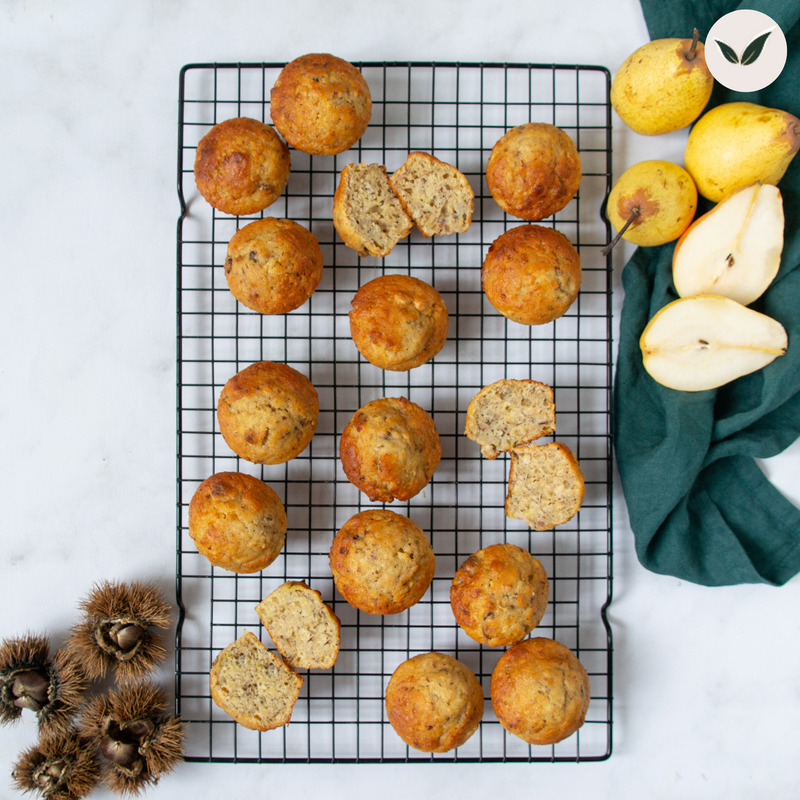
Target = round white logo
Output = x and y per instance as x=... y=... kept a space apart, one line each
x=745 y=50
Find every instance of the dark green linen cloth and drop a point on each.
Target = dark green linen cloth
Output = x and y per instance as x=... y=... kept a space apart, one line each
x=700 y=507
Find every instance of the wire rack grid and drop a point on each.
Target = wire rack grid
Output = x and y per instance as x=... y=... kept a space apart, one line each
x=456 y=112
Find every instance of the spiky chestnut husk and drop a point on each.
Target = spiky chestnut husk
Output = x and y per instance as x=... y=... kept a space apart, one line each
x=113 y=634
x=137 y=737
x=52 y=689
x=61 y=766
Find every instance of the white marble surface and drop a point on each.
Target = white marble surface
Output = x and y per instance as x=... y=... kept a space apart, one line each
x=705 y=680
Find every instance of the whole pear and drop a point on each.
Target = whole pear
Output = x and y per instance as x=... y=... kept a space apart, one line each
x=652 y=203
x=736 y=144
x=663 y=86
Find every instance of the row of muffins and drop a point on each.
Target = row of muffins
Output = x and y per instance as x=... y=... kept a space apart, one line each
x=382 y=562
x=420 y=307
x=540 y=691
x=321 y=105
x=268 y=413
x=531 y=275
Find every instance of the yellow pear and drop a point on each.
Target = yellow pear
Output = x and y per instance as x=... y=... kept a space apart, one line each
x=652 y=203
x=736 y=144
x=664 y=86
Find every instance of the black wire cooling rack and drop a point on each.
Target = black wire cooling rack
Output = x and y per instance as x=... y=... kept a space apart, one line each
x=456 y=112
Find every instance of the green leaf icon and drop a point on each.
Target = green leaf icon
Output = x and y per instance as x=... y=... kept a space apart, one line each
x=753 y=50
x=728 y=51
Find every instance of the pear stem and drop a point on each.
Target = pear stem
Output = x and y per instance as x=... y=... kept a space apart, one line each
x=692 y=54
x=634 y=214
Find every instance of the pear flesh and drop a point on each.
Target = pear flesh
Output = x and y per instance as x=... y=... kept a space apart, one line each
x=736 y=144
x=703 y=342
x=735 y=249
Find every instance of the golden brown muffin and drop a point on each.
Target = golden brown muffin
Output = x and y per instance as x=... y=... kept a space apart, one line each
x=321 y=104
x=435 y=195
x=254 y=686
x=509 y=413
x=273 y=265
x=390 y=449
x=304 y=629
x=268 y=412
x=241 y=166
x=545 y=485
x=534 y=170
x=382 y=562
x=531 y=274
x=434 y=703
x=540 y=691
x=398 y=322
x=237 y=522
x=366 y=212
x=499 y=595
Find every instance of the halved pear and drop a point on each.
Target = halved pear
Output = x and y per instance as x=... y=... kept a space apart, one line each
x=735 y=249
x=705 y=341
